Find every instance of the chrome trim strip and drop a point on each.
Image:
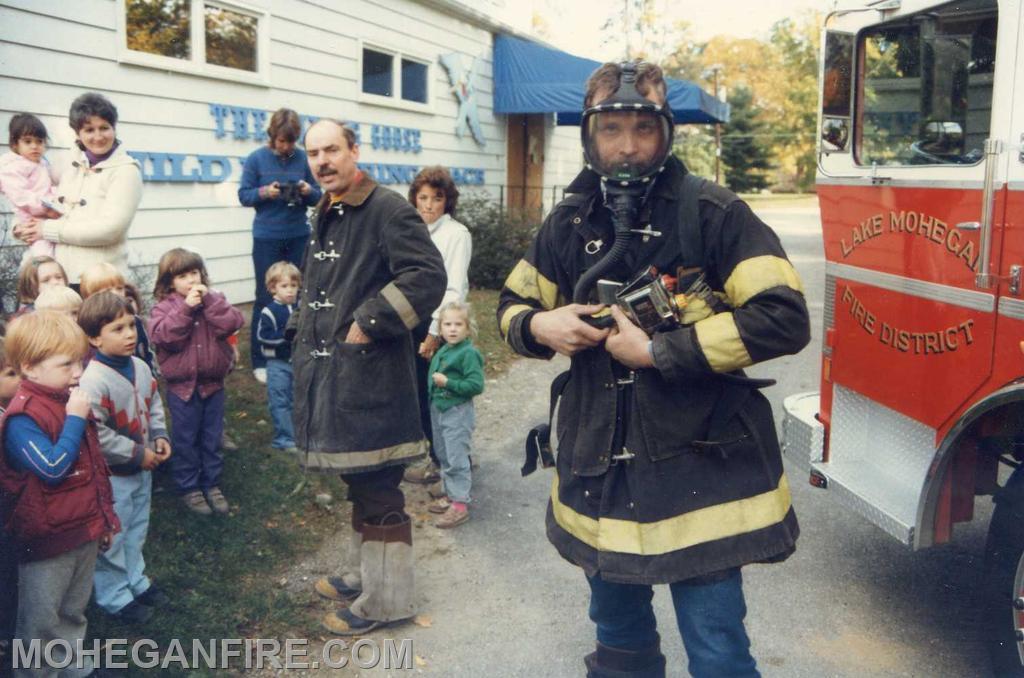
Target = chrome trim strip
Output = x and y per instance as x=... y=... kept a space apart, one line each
x=1011 y=308
x=972 y=299
x=1016 y=185
x=866 y=180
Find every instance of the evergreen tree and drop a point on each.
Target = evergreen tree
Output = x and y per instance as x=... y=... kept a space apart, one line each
x=745 y=149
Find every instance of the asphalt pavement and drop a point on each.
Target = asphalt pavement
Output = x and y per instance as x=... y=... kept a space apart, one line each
x=852 y=602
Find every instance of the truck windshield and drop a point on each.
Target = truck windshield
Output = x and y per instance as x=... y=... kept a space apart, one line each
x=926 y=97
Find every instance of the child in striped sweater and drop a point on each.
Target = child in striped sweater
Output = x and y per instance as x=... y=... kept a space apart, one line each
x=133 y=437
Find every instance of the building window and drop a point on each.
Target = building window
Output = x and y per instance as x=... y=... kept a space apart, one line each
x=377 y=73
x=219 y=38
x=396 y=79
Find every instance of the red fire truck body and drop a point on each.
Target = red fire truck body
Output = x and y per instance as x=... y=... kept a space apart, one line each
x=921 y=190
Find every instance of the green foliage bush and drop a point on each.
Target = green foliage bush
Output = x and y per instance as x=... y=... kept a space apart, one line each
x=499 y=239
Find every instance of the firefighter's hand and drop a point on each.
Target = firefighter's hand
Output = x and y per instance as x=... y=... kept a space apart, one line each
x=356 y=335
x=562 y=330
x=628 y=343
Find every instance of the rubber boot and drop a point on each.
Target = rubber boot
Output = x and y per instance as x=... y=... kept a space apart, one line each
x=387 y=571
x=352 y=574
x=610 y=662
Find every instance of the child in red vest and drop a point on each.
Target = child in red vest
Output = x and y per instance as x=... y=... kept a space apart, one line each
x=57 y=501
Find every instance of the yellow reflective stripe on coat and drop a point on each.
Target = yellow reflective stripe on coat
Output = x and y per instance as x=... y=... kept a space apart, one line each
x=527 y=282
x=720 y=340
x=752 y=276
x=678 y=532
x=401 y=304
x=511 y=312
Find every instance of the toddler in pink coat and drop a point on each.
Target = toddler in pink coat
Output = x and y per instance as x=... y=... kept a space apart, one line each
x=26 y=177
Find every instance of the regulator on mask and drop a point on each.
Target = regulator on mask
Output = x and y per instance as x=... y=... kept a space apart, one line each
x=627 y=138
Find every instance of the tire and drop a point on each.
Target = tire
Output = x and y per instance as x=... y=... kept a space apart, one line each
x=1004 y=579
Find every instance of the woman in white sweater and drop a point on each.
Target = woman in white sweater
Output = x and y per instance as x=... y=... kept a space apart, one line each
x=434 y=195
x=98 y=194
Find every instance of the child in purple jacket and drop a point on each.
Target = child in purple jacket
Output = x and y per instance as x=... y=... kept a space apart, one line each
x=190 y=326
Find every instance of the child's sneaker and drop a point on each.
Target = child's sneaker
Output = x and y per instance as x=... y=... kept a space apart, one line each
x=217 y=500
x=196 y=502
x=440 y=505
x=453 y=517
x=153 y=597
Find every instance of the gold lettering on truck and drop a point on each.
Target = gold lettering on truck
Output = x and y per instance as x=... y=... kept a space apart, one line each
x=946 y=340
x=931 y=228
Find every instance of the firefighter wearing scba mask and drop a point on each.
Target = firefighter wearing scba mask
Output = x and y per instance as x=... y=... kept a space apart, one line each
x=668 y=468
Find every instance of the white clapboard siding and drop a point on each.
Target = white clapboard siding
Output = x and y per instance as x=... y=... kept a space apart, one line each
x=53 y=50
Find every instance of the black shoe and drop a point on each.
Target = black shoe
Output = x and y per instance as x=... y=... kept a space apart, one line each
x=134 y=613
x=152 y=597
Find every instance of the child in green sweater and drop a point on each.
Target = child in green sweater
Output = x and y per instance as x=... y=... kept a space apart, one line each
x=456 y=376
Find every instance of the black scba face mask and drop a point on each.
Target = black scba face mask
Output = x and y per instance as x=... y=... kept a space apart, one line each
x=627 y=138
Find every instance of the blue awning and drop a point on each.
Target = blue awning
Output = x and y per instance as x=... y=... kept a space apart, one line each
x=532 y=78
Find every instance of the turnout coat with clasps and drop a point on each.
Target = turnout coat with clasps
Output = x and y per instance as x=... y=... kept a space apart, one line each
x=670 y=473
x=370 y=260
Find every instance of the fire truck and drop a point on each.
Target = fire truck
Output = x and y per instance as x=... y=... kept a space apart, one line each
x=920 y=182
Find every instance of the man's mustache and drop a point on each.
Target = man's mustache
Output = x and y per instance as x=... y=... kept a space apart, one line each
x=326 y=172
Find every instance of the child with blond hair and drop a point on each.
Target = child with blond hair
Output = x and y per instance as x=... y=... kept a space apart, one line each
x=456 y=377
x=189 y=327
x=282 y=280
x=61 y=299
x=10 y=379
x=60 y=507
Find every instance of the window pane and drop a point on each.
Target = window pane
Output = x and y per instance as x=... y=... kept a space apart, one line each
x=159 y=27
x=928 y=87
x=231 y=38
x=414 y=81
x=377 y=73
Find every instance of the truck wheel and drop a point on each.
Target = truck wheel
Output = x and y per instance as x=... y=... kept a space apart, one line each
x=1003 y=613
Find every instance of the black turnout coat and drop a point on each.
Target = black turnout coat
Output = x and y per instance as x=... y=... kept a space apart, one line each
x=370 y=260
x=705 y=490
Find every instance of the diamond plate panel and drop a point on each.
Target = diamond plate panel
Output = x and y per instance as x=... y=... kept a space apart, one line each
x=830 y=311
x=878 y=461
x=803 y=436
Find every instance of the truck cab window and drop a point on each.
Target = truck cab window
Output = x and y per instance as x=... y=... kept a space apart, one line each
x=926 y=97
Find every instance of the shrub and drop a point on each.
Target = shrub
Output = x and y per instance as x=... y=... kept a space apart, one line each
x=499 y=239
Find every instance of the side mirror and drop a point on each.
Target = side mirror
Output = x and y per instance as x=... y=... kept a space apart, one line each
x=836 y=92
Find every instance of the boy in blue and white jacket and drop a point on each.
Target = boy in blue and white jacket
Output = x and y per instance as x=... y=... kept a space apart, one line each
x=133 y=436
x=282 y=280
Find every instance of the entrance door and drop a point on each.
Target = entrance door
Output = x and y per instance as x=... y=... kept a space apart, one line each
x=526 y=164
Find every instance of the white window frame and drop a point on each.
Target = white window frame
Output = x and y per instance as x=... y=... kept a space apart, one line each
x=396 y=100
x=197 y=65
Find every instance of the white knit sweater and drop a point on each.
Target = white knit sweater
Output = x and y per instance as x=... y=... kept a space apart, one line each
x=452 y=239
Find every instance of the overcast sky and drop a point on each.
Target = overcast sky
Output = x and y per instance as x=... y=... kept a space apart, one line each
x=574 y=25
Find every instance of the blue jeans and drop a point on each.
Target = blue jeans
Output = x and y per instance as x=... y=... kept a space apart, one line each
x=709 y=615
x=266 y=253
x=453 y=434
x=120 y=570
x=279 y=398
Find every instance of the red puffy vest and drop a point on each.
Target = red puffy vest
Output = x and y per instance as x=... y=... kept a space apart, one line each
x=48 y=520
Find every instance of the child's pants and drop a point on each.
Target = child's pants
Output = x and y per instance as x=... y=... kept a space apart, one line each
x=197 y=425
x=120 y=576
x=279 y=397
x=453 y=434
x=52 y=595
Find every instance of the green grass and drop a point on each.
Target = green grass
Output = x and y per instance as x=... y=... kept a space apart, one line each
x=497 y=355
x=222 y=573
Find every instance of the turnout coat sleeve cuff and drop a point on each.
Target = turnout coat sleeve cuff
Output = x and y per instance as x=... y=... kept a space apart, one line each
x=677 y=355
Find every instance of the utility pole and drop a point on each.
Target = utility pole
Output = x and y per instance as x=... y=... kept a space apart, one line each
x=718 y=132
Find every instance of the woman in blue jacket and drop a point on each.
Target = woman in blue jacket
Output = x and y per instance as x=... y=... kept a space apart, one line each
x=276 y=180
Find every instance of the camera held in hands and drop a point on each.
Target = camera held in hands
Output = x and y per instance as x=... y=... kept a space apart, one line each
x=291 y=193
